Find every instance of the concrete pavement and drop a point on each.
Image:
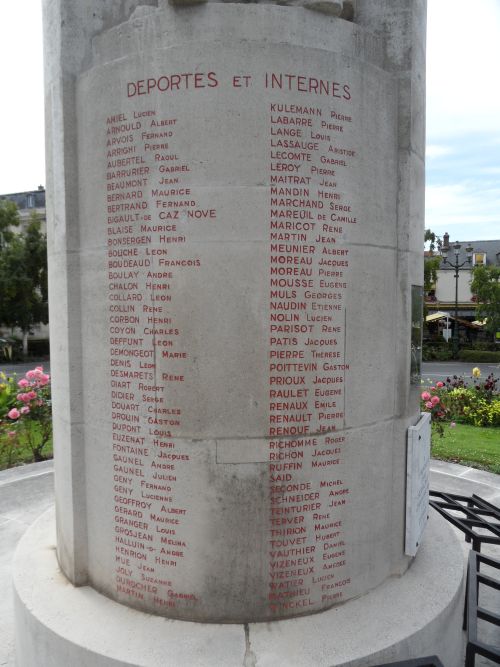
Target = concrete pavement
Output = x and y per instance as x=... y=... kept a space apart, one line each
x=27 y=491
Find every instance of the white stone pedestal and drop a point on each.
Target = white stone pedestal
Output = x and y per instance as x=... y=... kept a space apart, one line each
x=235 y=232
x=410 y=616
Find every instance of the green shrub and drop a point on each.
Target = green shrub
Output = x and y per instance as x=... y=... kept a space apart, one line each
x=8 y=394
x=478 y=356
x=484 y=346
x=39 y=348
x=483 y=413
x=441 y=351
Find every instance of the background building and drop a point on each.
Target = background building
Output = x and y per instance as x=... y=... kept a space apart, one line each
x=29 y=202
x=440 y=299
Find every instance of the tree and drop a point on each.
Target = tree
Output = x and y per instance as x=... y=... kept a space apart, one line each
x=486 y=286
x=433 y=240
x=23 y=279
x=431 y=266
x=432 y=262
x=9 y=218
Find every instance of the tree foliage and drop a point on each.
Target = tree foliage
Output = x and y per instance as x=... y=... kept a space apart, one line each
x=433 y=262
x=9 y=218
x=432 y=239
x=486 y=286
x=431 y=266
x=23 y=278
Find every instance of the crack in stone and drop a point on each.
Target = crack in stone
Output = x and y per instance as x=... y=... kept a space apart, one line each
x=250 y=659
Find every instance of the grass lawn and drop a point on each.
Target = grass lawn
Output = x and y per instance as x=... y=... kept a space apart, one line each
x=469 y=445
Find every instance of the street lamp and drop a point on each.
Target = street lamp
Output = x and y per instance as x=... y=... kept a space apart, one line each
x=445 y=249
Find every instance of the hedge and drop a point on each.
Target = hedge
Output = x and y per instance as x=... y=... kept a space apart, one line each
x=479 y=356
x=38 y=348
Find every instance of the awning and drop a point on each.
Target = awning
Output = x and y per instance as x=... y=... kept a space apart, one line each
x=440 y=315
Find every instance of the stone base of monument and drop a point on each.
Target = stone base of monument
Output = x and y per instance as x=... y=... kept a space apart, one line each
x=417 y=614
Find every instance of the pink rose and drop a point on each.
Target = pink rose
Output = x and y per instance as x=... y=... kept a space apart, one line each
x=12 y=434
x=439 y=385
x=13 y=414
x=25 y=410
x=32 y=395
x=425 y=396
x=25 y=398
x=429 y=405
x=31 y=375
x=435 y=400
x=23 y=383
x=43 y=380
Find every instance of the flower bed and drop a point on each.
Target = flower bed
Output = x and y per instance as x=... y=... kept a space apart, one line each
x=25 y=418
x=454 y=400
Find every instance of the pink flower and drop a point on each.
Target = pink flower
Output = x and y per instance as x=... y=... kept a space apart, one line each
x=433 y=388
x=439 y=385
x=32 y=395
x=452 y=424
x=25 y=398
x=12 y=434
x=435 y=400
x=23 y=383
x=425 y=396
x=31 y=375
x=13 y=414
x=25 y=410
x=43 y=380
x=429 y=405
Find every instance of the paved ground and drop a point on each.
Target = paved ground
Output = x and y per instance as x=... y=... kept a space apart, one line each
x=432 y=371
x=453 y=478
x=26 y=492
x=21 y=368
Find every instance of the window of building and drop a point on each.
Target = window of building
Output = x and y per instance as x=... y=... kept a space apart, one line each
x=30 y=201
x=479 y=259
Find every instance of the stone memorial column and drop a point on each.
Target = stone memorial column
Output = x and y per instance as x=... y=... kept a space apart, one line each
x=235 y=199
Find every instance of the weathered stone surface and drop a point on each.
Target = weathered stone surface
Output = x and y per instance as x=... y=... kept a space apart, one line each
x=406 y=617
x=325 y=6
x=232 y=218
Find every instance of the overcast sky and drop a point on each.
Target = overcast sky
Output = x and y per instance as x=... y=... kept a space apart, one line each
x=463 y=112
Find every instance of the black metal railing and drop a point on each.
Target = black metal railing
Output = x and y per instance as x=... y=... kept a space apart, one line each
x=478 y=519
x=430 y=661
x=475 y=611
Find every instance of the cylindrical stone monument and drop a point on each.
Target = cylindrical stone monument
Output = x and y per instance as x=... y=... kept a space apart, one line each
x=235 y=204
